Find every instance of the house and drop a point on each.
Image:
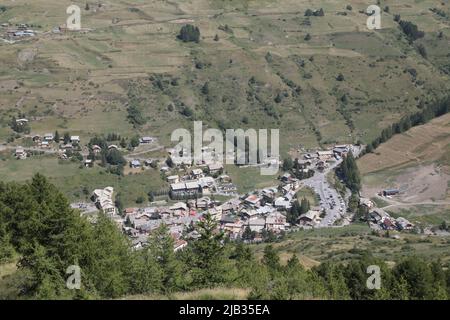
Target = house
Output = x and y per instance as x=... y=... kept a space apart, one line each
x=146 y=140
x=249 y=214
x=216 y=213
x=231 y=206
x=366 y=203
x=269 y=194
x=282 y=203
x=257 y=225
x=225 y=178
x=88 y=163
x=135 y=164
x=20 y=153
x=48 y=137
x=103 y=199
x=390 y=192
x=286 y=177
x=45 y=144
x=206 y=184
x=252 y=200
x=204 y=203
x=173 y=179
x=215 y=168
x=197 y=173
x=148 y=162
x=387 y=223
x=234 y=229
x=404 y=224
x=22 y=121
x=310 y=218
x=180 y=244
x=325 y=155
x=75 y=139
x=341 y=150
x=96 y=149
x=192 y=186
x=178 y=188
x=276 y=222
x=377 y=214
x=113 y=146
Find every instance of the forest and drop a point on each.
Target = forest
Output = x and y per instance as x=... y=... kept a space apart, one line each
x=40 y=231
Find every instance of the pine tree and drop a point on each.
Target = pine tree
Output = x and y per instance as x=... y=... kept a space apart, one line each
x=161 y=246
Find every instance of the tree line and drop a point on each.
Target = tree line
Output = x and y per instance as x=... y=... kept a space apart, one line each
x=429 y=112
x=40 y=231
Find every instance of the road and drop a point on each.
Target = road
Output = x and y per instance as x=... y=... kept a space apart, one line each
x=330 y=200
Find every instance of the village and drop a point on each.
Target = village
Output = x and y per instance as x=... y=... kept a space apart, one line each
x=193 y=189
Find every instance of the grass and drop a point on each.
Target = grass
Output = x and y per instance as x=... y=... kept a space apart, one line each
x=202 y=294
x=248 y=179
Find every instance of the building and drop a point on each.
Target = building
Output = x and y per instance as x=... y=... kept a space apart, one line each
x=173 y=179
x=310 y=218
x=366 y=203
x=257 y=224
x=75 y=139
x=146 y=140
x=276 y=222
x=135 y=164
x=215 y=168
x=96 y=149
x=88 y=163
x=20 y=153
x=197 y=173
x=253 y=200
x=325 y=155
x=103 y=199
x=390 y=192
x=48 y=137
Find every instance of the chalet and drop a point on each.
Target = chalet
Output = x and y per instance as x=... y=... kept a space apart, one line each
x=173 y=179
x=282 y=203
x=22 y=121
x=216 y=213
x=269 y=194
x=265 y=210
x=45 y=144
x=252 y=200
x=390 y=192
x=204 y=203
x=377 y=214
x=310 y=218
x=20 y=153
x=178 y=188
x=276 y=222
x=48 y=137
x=96 y=149
x=67 y=146
x=192 y=186
x=231 y=206
x=215 y=168
x=325 y=155
x=75 y=139
x=234 y=229
x=224 y=178
x=286 y=177
x=366 y=203
x=403 y=224
x=135 y=164
x=257 y=225
x=88 y=163
x=113 y=146
x=249 y=214
x=387 y=223
x=341 y=150
x=146 y=140
x=206 y=184
x=179 y=245
x=197 y=173
x=104 y=201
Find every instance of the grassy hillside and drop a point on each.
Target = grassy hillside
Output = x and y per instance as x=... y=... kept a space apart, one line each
x=268 y=67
